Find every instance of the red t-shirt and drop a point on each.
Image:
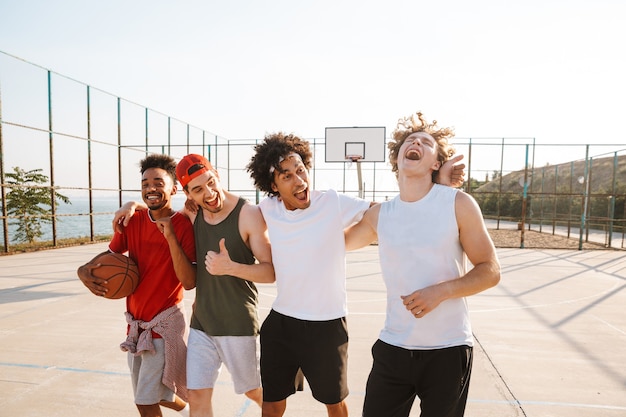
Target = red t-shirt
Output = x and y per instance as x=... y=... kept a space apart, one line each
x=159 y=288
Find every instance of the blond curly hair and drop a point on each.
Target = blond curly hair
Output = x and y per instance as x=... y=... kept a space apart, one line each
x=417 y=123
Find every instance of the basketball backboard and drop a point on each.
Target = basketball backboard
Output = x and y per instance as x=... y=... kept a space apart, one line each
x=367 y=142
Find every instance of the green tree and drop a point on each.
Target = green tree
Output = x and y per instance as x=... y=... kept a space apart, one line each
x=491 y=204
x=30 y=202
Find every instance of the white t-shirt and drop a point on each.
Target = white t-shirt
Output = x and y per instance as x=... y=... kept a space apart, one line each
x=419 y=246
x=308 y=252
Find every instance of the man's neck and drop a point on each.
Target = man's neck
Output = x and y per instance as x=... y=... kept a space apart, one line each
x=230 y=201
x=414 y=188
x=160 y=213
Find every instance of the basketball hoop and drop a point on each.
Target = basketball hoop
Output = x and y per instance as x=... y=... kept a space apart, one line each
x=353 y=158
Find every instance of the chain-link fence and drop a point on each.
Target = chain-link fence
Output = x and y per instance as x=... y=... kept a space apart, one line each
x=88 y=143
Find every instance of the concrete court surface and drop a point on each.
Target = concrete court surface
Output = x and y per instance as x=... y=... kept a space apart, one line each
x=549 y=339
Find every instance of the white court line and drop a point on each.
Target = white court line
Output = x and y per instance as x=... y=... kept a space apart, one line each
x=609 y=324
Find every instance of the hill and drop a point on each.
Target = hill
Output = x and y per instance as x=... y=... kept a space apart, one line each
x=557 y=194
x=566 y=178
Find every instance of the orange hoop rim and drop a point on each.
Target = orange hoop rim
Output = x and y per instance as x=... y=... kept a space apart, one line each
x=354 y=157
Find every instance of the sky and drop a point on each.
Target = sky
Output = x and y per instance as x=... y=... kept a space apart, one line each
x=552 y=70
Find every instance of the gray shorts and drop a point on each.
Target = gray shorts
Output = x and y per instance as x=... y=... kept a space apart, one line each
x=146 y=372
x=206 y=354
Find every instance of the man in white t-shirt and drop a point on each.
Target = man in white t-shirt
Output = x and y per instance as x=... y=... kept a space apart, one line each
x=306 y=328
x=425 y=237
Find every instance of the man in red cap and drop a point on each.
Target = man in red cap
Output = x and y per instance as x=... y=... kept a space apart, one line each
x=231 y=237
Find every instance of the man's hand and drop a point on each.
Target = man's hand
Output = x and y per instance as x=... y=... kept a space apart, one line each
x=452 y=172
x=164 y=224
x=422 y=302
x=218 y=263
x=191 y=206
x=122 y=216
x=94 y=284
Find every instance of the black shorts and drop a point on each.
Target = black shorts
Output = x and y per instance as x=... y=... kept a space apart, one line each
x=438 y=377
x=319 y=348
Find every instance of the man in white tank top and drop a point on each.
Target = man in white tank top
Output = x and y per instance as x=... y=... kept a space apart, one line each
x=425 y=237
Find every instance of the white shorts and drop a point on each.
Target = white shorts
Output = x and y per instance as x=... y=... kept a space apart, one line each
x=206 y=354
x=146 y=372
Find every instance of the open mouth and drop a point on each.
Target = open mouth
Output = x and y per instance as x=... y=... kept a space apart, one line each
x=153 y=197
x=413 y=155
x=302 y=195
x=212 y=203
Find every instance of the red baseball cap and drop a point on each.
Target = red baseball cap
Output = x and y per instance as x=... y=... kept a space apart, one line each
x=197 y=164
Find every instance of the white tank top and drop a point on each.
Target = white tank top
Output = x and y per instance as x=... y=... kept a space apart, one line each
x=419 y=246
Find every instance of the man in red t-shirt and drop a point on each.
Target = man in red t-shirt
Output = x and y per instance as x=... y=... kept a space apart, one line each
x=161 y=242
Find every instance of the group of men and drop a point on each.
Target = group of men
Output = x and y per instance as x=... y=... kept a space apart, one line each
x=425 y=236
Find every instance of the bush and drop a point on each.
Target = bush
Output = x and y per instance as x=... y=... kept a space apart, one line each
x=30 y=202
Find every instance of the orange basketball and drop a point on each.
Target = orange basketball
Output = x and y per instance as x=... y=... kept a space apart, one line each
x=120 y=271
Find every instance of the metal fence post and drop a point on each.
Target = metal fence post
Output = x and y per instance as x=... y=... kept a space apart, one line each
x=53 y=202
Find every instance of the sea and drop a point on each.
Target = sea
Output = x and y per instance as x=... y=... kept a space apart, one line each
x=73 y=219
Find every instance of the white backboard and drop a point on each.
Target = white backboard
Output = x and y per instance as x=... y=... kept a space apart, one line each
x=368 y=142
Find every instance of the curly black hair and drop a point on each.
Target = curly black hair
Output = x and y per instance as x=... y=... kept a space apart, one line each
x=164 y=162
x=268 y=155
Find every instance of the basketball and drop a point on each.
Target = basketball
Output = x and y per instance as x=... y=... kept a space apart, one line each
x=120 y=271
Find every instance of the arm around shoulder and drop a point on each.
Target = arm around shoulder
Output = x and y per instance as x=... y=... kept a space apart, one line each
x=364 y=232
x=123 y=214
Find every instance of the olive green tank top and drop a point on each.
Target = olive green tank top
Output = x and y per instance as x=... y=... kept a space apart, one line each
x=225 y=305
